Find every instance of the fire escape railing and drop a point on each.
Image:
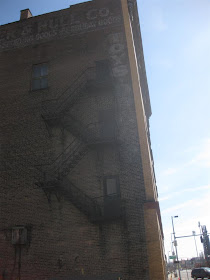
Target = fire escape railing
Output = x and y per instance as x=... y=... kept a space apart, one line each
x=75 y=151
x=61 y=165
x=56 y=108
x=111 y=207
x=81 y=200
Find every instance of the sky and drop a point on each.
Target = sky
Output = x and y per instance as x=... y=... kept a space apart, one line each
x=176 y=42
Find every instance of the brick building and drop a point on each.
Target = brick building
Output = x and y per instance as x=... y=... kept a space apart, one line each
x=78 y=193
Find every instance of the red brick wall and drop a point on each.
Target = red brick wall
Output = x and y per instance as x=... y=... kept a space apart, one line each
x=62 y=242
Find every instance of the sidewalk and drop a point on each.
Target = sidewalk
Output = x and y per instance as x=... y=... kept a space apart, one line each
x=185 y=275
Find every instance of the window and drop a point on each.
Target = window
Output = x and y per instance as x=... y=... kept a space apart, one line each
x=107 y=124
x=39 y=76
x=111 y=186
x=102 y=70
x=112 y=199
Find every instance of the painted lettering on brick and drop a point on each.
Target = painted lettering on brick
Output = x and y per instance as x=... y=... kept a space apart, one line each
x=117 y=54
x=65 y=25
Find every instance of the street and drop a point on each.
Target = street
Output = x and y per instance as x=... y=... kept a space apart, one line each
x=185 y=275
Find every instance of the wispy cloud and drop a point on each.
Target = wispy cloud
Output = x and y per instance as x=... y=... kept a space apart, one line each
x=164 y=198
x=162 y=62
x=199 y=157
x=170 y=171
x=157 y=18
x=198 y=48
x=156 y=21
x=187 y=190
x=198 y=209
x=173 y=209
x=203 y=157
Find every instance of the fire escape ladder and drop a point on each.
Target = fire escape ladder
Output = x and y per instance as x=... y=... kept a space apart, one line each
x=56 y=108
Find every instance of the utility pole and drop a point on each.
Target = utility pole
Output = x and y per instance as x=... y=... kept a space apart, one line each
x=175 y=245
x=193 y=233
x=199 y=225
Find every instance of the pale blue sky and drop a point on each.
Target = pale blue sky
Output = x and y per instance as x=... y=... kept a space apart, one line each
x=176 y=40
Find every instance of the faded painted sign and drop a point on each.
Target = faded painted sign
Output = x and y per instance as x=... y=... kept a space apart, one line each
x=117 y=53
x=59 y=24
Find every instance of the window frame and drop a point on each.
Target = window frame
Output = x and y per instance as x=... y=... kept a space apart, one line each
x=40 y=77
x=117 y=185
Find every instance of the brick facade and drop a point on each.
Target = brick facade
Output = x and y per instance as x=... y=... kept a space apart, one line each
x=63 y=143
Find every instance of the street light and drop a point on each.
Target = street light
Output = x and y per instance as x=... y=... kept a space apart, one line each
x=175 y=244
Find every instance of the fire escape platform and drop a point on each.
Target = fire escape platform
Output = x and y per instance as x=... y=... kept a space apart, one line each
x=100 y=85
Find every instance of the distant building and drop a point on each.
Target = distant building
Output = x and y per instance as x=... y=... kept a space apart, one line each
x=78 y=193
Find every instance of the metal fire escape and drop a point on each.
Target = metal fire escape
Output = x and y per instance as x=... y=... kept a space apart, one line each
x=54 y=175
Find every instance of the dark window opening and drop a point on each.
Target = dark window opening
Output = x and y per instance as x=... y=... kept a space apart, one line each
x=39 y=76
x=102 y=70
x=107 y=124
x=112 y=199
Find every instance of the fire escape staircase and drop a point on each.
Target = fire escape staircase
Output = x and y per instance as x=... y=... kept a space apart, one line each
x=54 y=176
x=89 y=206
x=55 y=109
